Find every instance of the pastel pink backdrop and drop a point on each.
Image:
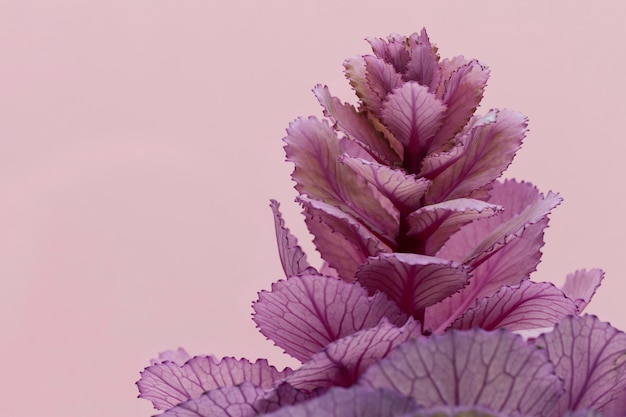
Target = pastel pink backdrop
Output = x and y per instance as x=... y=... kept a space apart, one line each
x=140 y=142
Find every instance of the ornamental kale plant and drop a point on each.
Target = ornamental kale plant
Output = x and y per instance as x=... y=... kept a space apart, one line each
x=418 y=307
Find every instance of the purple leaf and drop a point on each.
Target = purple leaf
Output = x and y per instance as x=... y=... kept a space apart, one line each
x=512 y=229
x=305 y=313
x=413 y=281
x=292 y=257
x=590 y=356
x=315 y=149
x=356 y=126
x=393 y=50
x=462 y=92
x=461 y=411
x=168 y=384
x=244 y=400
x=503 y=249
x=497 y=370
x=403 y=190
x=582 y=285
x=342 y=241
x=382 y=78
x=488 y=149
x=529 y=305
x=423 y=66
x=342 y=362
x=354 y=402
x=432 y=225
x=413 y=115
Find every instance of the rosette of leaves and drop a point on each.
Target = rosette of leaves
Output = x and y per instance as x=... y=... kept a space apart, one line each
x=427 y=258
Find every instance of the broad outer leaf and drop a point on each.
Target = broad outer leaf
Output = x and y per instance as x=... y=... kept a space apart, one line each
x=432 y=225
x=497 y=370
x=168 y=384
x=590 y=356
x=342 y=362
x=503 y=249
x=292 y=257
x=315 y=149
x=529 y=305
x=404 y=190
x=356 y=126
x=471 y=411
x=244 y=400
x=305 y=313
x=413 y=281
x=414 y=116
x=488 y=150
x=354 y=402
x=582 y=285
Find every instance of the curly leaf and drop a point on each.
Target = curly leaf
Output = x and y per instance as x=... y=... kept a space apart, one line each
x=529 y=305
x=315 y=149
x=488 y=149
x=432 y=225
x=244 y=400
x=503 y=249
x=582 y=285
x=497 y=370
x=413 y=115
x=292 y=257
x=403 y=190
x=356 y=126
x=590 y=356
x=305 y=313
x=168 y=384
x=413 y=281
x=342 y=362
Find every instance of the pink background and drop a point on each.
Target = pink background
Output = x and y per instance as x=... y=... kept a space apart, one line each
x=141 y=142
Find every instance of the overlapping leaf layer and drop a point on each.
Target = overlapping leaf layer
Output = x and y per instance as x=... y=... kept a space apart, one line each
x=427 y=259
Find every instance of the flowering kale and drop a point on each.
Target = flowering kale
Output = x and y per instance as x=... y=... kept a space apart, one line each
x=426 y=264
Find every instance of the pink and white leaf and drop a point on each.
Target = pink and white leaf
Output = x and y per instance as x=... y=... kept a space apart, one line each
x=292 y=257
x=432 y=225
x=315 y=149
x=590 y=356
x=356 y=126
x=343 y=242
x=462 y=92
x=168 y=384
x=496 y=370
x=529 y=305
x=356 y=72
x=581 y=286
x=413 y=115
x=342 y=362
x=513 y=250
x=413 y=281
x=305 y=313
x=488 y=149
x=423 y=66
x=403 y=190
x=393 y=50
